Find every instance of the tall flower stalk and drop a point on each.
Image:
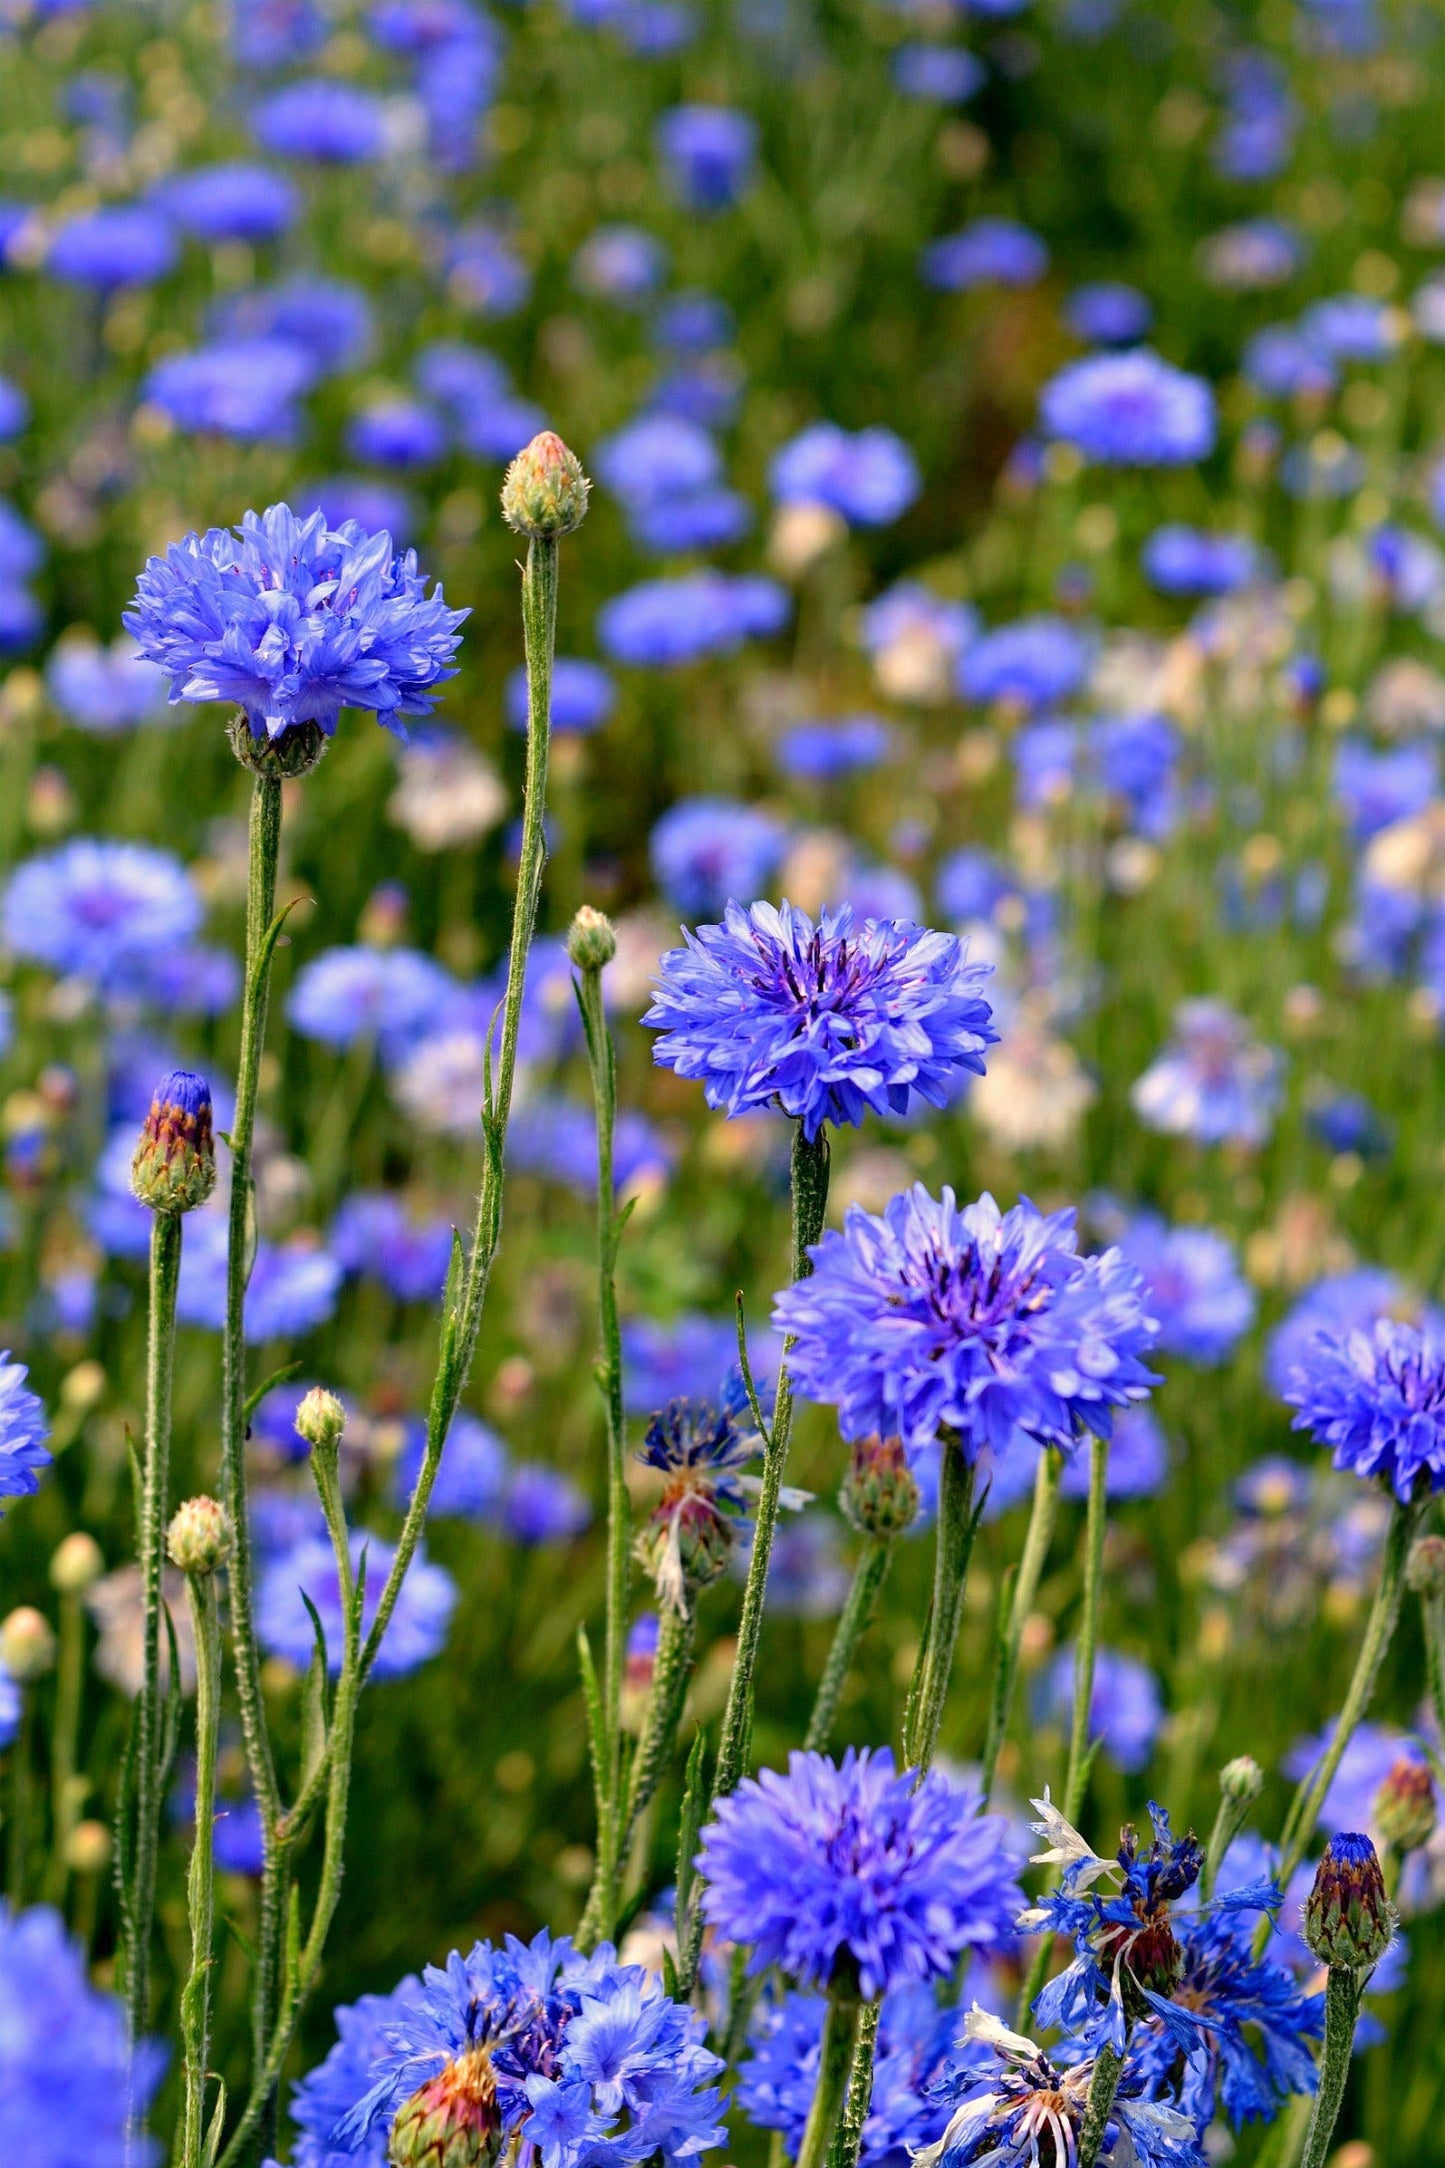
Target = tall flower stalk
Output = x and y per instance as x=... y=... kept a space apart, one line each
x=199 y=1542
x=1043 y=1514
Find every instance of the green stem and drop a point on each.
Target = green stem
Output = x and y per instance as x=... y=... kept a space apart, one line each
x=857 y=1617
x=21 y=1760
x=1108 y=2068
x=65 y=1793
x=165 y=1265
x=1342 y=2008
x=953 y=1545
x=200 y=1882
x=672 y=1668
x=1042 y=1516
x=840 y=2027
x=810 y=1158
x=848 y=2140
x=1432 y=1620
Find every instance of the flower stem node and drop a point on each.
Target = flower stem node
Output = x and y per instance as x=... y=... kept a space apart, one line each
x=1349 y=1921
x=880 y=1495
x=1241 y=1780
x=288 y=756
x=199 y=1537
x=591 y=942
x=321 y=1420
x=174 y=1167
x=27 y=1644
x=452 y=2120
x=1405 y=1806
x=544 y=494
x=1425 y=1567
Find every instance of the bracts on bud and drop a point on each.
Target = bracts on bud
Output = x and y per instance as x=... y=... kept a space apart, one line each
x=591 y=942
x=1349 y=1921
x=1405 y=1806
x=174 y=1167
x=452 y=2120
x=199 y=1537
x=880 y=1495
x=544 y=494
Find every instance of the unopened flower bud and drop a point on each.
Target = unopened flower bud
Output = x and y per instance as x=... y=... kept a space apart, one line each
x=545 y=491
x=1425 y=1566
x=1241 y=1780
x=591 y=943
x=452 y=2120
x=27 y=1644
x=1349 y=1920
x=76 y=1564
x=1405 y=1806
x=199 y=1537
x=87 y=1848
x=880 y=1492
x=321 y=1419
x=174 y=1168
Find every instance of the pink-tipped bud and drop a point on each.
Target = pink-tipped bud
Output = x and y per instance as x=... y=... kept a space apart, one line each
x=452 y=2120
x=880 y=1493
x=545 y=491
x=1349 y=1920
x=174 y=1168
x=199 y=1537
x=1405 y=1806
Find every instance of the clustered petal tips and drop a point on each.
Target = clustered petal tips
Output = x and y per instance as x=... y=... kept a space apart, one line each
x=1377 y=1398
x=23 y=1432
x=291 y=620
x=979 y=1321
x=825 y=1021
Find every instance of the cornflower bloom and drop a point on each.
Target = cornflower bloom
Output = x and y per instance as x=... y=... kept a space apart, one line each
x=1130 y=409
x=23 y=1432
x=1377 y=1398
x=699 y=1449
x=1214 y=1081
x=67 y=2072
x=417 y=1629
x=100 y=910
x=1202 y=1300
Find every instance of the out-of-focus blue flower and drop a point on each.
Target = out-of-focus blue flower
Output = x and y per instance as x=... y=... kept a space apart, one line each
x=1347 y=1122
x=672 y=621
x=916 y=640
x=1251 y=256
x=293 y=621
x=940 y=74
x=67 y=2072
x=542 y=1506
x=328 y=319
x=1343 y=1303
x=1130 y=410
x=484 y=272
x=1373 y=789
x=118 y=245
x=1138 y=1460
x=375 y=1235
x=395 y=431
x=1214 y=1081
x=1284 y=364
x=419 y=26
x=989 y=252
x=473 y=1474
x=808 y=1576
x=706 y=852
x=708 y=519
x=327 y=2093
x=100 y=910
x=624 y=264
x=1353 y=328
x=1197 y=1292
x=868 y=477
x=980 y=1321
x=1257 y=135
x=693 y=322
x=689 y=1359
x=1108 y=314
x=275 y=33
x=557 y=1138
x=334 y=123
x=21 y=550
x=104 y=690
x=361 y=497
x=293 y=1286
x=823 y=1021
x=589 y=2055
x=854 y=1861
x=583 y=697
x=416 y=1632
x=388 y=994
x=1181 y=560
x=23 y=1432
x=247 y=389
x=1377 y=1399
x=1372 y=1752
x=656 y=456
x=230 y=202
x=14 y=410
x=709 y=152
x=11 y=1708
x=1125 y=1706
x=824 y=752
x=1031 y=663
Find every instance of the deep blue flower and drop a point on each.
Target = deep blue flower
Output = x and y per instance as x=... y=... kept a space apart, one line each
x=1377 y=1399
x=588 y=2058
x=868 y=477
x=620 y=263
x=978 y=1321
x=851 y=1862
x=1353 y=328
x=824 y=752
x=708 y=519
x=14 y=410
x=361 y=497
x=692 y=322
x=293 y=1286
x=419 y=26
x=583 y=697
x=100 y=910
x=472 y=1478
x=391 y=995
x=808 y=1574
x=274 y=33
x=247 y=388
x=1214 y=1081
x=1257 y=135
x=395 y=431
x=1138 y=1459
x=1108 y=314
x=460 y=377
x=543 y=1506
x=336 y=123
x=1125 y=1706
x=557 y=1138
x=1372 y=1752
x=699 y=1448
x=1373 y=790
x=416 y=1632
x=329 y=2092
x=1130 y=409
x=1196 y=1290
x=941 y=74
x=23 y=1432
x=823 y=1021
x=12 y=1705
x=688 y=1359
x=230 y=202
x=656 y=456
x=293 y=621
x=706 y=852
x=104 y=690
x=331 y=321
x=665 y=622
x=1340 y=1304
x=989 y=252
x=376 y=1236
x=67 y=2073
x=22 y=552
x=1347 y=1122
x=119 y=245
x=1182 y=560
x=484 y=272
x=1031 y=663
x=1283 y=363
x=709 y=152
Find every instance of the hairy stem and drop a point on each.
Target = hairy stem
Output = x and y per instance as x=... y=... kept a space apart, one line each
x=1042 y=1516
x=200 y=1883
x=953 y=1545
x=1108 y=2068
x=857 y=1617
x=840 y=2027
x=1342 y=2009
x=848 y=2138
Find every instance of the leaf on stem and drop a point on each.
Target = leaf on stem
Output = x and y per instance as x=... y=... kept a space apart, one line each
x=253 y=1399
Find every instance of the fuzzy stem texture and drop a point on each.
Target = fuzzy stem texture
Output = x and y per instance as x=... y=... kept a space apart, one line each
x=1342 y=2009
x=201 y=1879
x=848 y=2138
x=835 y=2059
x=1108 y=2068
x=857 y=1616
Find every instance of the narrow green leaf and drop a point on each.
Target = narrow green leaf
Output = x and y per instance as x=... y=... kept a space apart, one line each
x=277 y=1377
x=171 y=1712
x=696 y=1799
x=747 y=1370
x=216 y=2128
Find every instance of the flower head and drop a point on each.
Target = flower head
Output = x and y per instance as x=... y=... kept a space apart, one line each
x=1377 y=1397
x=705 y=851
x=979 y=1321
x=709 y=152
x=868 y=478
x=293 y=620
x=1214 y=1082
x=1196 y=1289
x=101 y=910
x=174 y=1167
x=1349 y=1920
x=304 y=1579
x=699 y=1450
x=824 y=1021
x=848 y=1865
x=23 y=1432
x=1130 y=409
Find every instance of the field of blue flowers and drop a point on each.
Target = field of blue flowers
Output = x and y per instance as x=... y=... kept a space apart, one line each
x=722 y=1114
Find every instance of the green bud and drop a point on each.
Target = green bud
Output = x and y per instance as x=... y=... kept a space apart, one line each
x=27 y=1644
x=591 y=943
x=880 y=1493
x=451 y=2121
x=321 y=1419
x=544 y=494
x=1349 y=1921
x=1405 y=1806
x=199 y=1537
x=1241 y=1780
x=1425 y=1566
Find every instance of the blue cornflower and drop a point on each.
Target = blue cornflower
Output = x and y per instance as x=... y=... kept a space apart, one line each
x=294 y=621
x=391 y=995
x=661 y=623
x=12 y=1707
x=1373 y=790
x=1020 y=2110
x=245 y=388
x=471 y=1481
x=583 y=697
x=656 y=456
x=484 y=272
x=396 y=431
x=823 y=1021
x=1340 y=1304
x=14 y=410
x=1181 y=560
x=361 y=497
x=1377 y=1398
x=23 y=1432
x=916 y=640
x=977 y=1321
x=293 y=1286
x=688 y=1359
x=1138 y=1459
x=1352 y=327
x=708 y=519
x=1031 y=663
x=329 y=2092
x=853 y=1864
x=1213 y=1082
x=989 y=252
x=119 y=245
x=941 y=74
x=67 y=2074
x=824 y=752
x=1108 y=314
x=417 y=1629
x=624 y=264
x=706 y=852
x=1197 y=1292
x=586 y=2059
x=541 y=1506
x=868 y=477
x=557 y=1138
x=104 y=690
x=1251 y=256
x=709 y=152
x=231 y=202
x=100 y=910
x=699 y=1448
x=328 y=319
x=808 y=1575
x=1125 y=1707
x=336 y=123
x=375 y=1235
x=693 y=322
x=1130 y=409
x=1281 y=362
